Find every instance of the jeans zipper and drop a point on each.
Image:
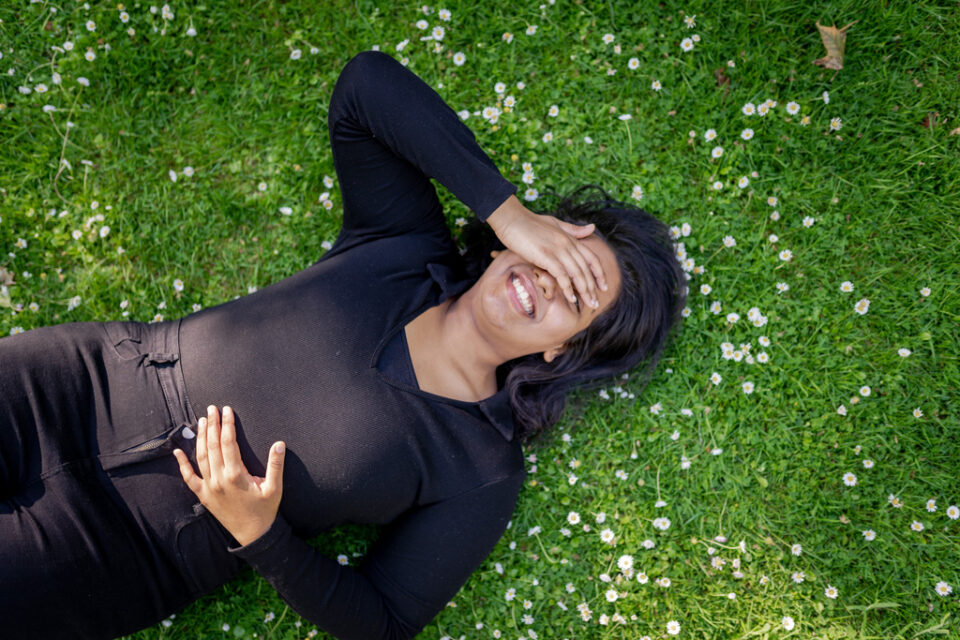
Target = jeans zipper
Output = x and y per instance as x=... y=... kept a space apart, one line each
x=150 y=444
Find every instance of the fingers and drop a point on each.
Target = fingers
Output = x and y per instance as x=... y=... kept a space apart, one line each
x=576 y=230
x=213 y=441
x=594 y=263
x=274 y=479
x=588 y=274
x=583 y=279
x=582 y=232
x=203 y=461
x=194 y=483
x=232 y=462
x=571 y=270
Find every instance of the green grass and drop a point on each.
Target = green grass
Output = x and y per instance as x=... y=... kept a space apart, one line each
x=231 y=103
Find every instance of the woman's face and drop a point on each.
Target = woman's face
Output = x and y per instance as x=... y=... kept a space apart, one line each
x=522 y=310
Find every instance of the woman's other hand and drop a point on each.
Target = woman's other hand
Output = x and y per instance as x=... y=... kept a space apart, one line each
x=553 y=245
x=245 y=505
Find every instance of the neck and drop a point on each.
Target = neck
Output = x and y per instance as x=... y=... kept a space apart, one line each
x=462 y=349
x=451 y=356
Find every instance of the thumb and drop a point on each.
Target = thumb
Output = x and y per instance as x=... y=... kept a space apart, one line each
x=274 y=479
x=576 y=230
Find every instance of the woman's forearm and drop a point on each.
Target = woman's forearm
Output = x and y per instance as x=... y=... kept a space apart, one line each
x=377 y=94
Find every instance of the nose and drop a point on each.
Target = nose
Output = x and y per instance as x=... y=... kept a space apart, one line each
x=546 y=282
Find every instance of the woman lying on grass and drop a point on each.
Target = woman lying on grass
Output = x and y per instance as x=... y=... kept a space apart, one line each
x=387 y=383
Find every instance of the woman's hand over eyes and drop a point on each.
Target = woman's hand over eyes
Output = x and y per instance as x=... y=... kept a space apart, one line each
x=553 y=245
x=245 y=505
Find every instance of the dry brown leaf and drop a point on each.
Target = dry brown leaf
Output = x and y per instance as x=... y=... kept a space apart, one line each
x=932 y=120
x=834 y=41
x=6 y=278
x=722 y=81
x=955 y=132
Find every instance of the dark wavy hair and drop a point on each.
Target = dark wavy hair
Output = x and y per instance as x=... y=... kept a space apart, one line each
x=631 y=333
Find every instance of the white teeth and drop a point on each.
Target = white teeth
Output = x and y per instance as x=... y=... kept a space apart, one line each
x=522 y=295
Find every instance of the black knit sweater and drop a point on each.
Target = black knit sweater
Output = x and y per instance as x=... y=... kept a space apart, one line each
x=299 y=361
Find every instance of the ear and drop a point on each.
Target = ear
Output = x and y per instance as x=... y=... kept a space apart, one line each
x=553 y=352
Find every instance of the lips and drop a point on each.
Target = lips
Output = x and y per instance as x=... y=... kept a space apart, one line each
x=523 y=294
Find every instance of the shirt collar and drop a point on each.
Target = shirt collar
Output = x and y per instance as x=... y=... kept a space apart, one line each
x=452 y=281
x=499 y=412
x=497 y=408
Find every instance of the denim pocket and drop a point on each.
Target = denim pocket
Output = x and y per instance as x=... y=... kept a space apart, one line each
x=125 y=338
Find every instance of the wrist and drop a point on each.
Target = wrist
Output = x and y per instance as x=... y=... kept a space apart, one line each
x=504 y=215
x=251 y=533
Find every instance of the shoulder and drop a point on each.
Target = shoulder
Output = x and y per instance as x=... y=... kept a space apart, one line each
x=424 y=246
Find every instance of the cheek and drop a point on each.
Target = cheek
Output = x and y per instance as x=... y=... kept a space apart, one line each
x=565 y=325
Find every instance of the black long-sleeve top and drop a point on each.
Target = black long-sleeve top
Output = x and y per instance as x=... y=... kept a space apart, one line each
x=300 y=361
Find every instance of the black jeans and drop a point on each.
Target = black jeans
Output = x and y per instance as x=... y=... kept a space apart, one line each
x=99 y=535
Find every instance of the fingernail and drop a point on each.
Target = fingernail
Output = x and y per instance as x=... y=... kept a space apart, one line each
x=603 y=285
x=202 y=422
x=278 y=447
x=211 y=409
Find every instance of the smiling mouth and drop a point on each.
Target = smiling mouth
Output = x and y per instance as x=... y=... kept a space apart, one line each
x=525 y=297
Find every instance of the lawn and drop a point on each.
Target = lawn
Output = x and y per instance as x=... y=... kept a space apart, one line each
x=790 y=469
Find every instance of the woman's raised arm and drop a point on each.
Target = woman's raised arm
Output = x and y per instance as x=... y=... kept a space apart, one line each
x=390 y=134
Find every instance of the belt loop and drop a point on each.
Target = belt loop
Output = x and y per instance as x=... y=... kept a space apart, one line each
x=160 y=358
